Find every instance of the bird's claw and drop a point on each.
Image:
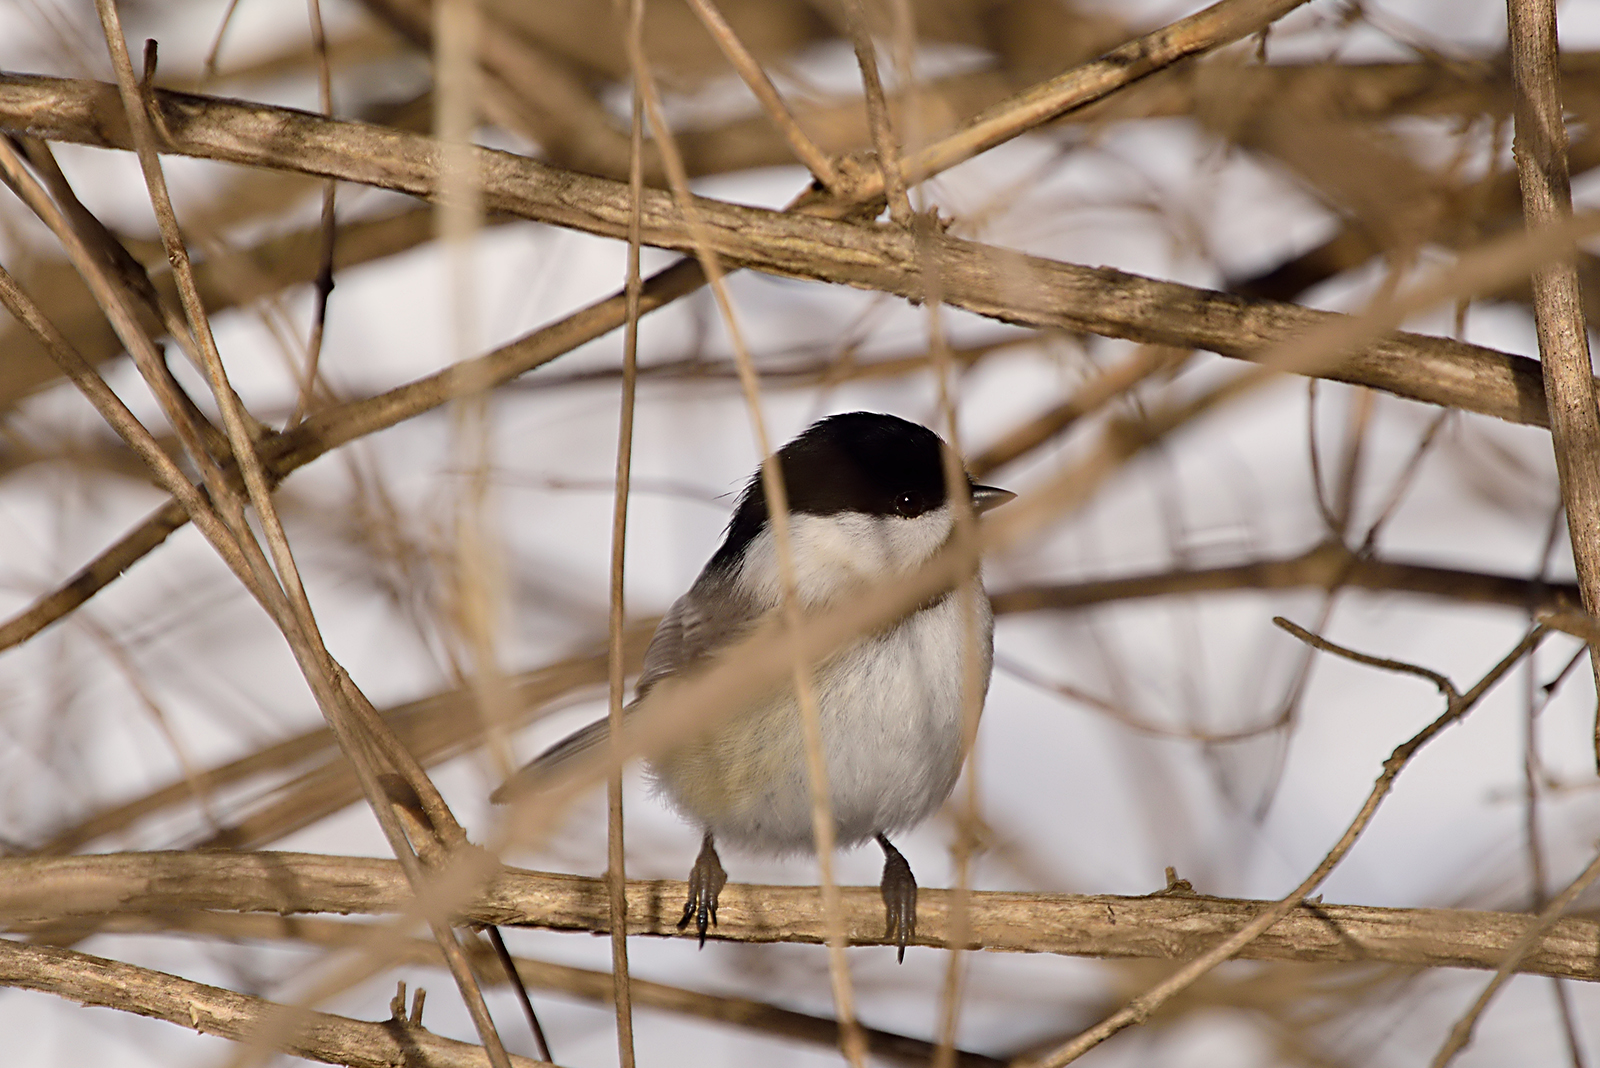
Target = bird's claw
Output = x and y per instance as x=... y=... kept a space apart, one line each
x=706 y=880
x=899 y=889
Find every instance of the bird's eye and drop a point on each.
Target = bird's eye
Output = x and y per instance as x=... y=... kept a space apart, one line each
x=905 y=504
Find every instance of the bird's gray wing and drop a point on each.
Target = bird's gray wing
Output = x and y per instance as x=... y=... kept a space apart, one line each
x=711 y=615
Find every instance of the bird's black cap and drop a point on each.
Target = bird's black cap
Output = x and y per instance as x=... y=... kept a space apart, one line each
x=857 y=462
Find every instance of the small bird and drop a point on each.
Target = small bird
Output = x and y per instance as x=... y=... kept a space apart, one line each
x=867 y=501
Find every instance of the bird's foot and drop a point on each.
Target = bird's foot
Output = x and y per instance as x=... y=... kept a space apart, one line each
x=706 y=880
x=899 y=888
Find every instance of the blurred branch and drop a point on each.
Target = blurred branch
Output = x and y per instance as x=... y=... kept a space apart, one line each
x=437 y=727
x=331 y=427
x=226 y=280
x=1494 y=206
x=1328 y=565
x=526 y=88
x=1164 y=927
x=1220 y=24
x=212 y=1010
x=1573 y=621
x=1355 y=91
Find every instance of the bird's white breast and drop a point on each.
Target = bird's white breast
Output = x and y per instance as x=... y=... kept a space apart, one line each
x=890 y=704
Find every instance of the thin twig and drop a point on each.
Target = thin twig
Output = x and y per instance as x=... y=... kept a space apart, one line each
x=1316 y=641
x=1319 y=494
x=1139 y=1010
x=208 y=69
x=616 y=867
x=330 y=231
x=749 y=68
x=1090 y=397
x=1461 y=1033
x=508 y=964
x=1535 y=700
x=852 y=1041
x=1220 y=24
x=1125 y=716
x=1403 y=481
x=889 y=169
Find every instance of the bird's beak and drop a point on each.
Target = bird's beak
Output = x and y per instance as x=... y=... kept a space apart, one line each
x=987 y=497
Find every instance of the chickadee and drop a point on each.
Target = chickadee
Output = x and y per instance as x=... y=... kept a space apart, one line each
x=867 y=501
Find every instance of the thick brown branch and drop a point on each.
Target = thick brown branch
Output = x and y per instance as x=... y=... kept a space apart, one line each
x=1106 y=301
x=1005 y=285
x=211 y=1010
x=757 y=1016
x=1160 y=927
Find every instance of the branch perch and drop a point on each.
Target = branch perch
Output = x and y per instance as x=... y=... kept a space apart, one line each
x=1164 y=927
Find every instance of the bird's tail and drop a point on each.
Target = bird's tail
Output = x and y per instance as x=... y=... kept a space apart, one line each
x=552 y=760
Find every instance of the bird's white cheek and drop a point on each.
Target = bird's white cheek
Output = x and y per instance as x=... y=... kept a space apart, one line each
x=835 y=553
x=910 y=542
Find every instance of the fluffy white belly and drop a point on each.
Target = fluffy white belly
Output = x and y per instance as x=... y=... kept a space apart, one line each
x=891 y=717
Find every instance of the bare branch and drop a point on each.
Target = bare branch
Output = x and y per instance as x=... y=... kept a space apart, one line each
x=212 y=1010
x=749 y=69
x=1461 y=1033
x=1160 y=927
x=1541 y=151
x=1220 y=24
x=1326 y=566
x=1009 y=286
x=756 y=1016
x=888 y=171
x=1139 y=1009
x=1316 y=641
